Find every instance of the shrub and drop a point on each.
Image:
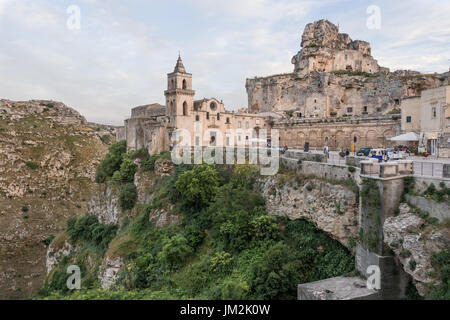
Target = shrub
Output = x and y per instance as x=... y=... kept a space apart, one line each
x=174 y=251
x=25 y=209
x=90 y=230
x=275 y=275
x=221 y=262
x=412 y=264
x=441 y=262
x=198 y=186
x=264 y=227
x=32 y=165
x=126 y=172
x=111 y=162
x=244 y=175
x=351 y=169
x=234 y=290
x=128 y=196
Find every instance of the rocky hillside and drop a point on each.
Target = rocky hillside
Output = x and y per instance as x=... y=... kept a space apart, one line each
x=335 y=76
x=48 y=159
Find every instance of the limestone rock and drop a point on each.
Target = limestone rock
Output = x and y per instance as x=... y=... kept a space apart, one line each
x=332 y=208
x=105 y=204
x=109 y=271
x=414 y=247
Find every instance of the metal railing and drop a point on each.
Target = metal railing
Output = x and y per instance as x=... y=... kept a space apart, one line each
x=428 y=169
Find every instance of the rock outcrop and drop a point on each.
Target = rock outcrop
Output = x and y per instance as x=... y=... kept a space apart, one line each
x=335 y=76
x=332 y=208
x=48 y=159
x=414 y=244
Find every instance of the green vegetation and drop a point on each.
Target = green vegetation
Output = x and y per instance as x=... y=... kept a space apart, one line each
x=128 y=196
x=440 y=195
x=355 y=73
x=441 y=262
x=32 y=165
x=112 y=161
x=224 y=247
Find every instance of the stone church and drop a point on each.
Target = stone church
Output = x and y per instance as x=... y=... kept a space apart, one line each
x=207 y=121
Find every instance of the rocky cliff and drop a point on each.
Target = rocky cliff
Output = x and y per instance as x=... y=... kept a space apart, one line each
x=336 y=76
x=333 y=208
x=48 y=159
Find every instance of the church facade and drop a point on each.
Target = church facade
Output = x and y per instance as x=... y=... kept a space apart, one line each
x=206 y=122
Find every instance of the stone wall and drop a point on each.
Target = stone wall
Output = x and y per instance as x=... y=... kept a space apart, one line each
x=440 y=211
x=339 y=135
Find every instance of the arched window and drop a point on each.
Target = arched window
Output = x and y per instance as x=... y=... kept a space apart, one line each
x=218 y=116
x=172 y=84
x=171 y=107
x=184 y=84
x=213 y=106
x=185 y=106
x=355 y=139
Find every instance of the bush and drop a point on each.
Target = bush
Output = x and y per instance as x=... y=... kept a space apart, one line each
x=441 y=262
x=90 y=230
x=198 y=186
x=244 y=175
x=351 y=169
x=234 y=290
x=275 y=275
x=128 y=196
x=25 y=209
x=126 y=172
x=174 y=251
x=111 y=162
x=32 y=165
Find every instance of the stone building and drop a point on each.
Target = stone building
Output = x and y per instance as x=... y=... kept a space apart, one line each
x=324 y=49
x=206 y=120
x=428 y=115
x=337 y=93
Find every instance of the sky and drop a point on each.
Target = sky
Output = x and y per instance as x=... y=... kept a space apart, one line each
x=121 y=53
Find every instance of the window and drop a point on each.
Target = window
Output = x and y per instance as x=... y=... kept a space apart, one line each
x=434 y=112
x=397 y=102
x=184 y=84
x=349 y=110
x=213 y=106
x=246 y=137
x=218 y=116
x=299 y=115
x=228 y=120
x=197 y=118
x=185 y=108
x=213 y=138
x=355 y=139
x=172 y=84
x=315 y=100
x=207 y=115
x=408 y=119
x=365 y=108
x=239 y=138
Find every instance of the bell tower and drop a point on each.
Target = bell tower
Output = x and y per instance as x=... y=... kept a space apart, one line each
x=179 y=93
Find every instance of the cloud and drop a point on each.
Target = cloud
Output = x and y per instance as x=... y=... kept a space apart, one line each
x=121 y=55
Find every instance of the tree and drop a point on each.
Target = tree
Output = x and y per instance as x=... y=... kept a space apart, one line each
x=128 y=197
x=199 y=185
x=111 y=162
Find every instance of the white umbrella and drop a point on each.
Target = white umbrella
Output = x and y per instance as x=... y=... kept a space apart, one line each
x=409 y=136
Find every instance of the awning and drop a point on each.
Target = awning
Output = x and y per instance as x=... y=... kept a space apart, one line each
x=409 y=136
